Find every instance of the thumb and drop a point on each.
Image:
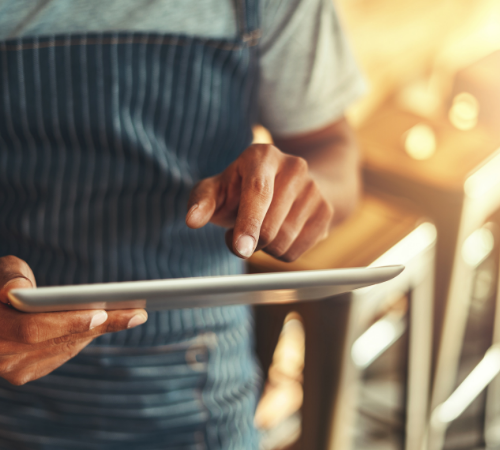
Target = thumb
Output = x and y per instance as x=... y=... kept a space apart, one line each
x=14 y=274
x=204 y=200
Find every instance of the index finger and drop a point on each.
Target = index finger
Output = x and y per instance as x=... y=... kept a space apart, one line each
x=257 y=188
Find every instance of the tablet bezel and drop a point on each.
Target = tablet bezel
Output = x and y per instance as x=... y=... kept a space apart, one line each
x=281 y=287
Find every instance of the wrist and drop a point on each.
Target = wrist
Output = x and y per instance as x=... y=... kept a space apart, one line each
x=343 y=193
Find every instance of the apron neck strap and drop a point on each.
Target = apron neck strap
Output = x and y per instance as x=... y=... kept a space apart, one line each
x=247 y=14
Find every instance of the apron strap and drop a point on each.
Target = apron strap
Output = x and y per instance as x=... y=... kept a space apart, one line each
x=247 y=14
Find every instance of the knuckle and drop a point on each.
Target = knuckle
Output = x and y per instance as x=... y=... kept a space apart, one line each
x=62 y=340
x=71 y=349
x=29 y=331
x=299 y=165
x=261 y=186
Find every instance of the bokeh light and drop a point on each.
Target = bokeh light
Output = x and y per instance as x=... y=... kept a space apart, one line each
x=464 y=111
x=420 y=142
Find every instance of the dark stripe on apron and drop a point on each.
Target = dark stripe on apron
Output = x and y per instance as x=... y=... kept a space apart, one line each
x=102 y=137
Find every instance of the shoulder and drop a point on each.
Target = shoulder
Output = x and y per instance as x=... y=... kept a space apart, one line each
x=308 y=75
x=296 y=19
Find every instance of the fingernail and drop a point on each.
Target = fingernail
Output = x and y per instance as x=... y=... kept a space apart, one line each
x=245 y=245
x=137 y=320
x=98 y=319
x=192 y=210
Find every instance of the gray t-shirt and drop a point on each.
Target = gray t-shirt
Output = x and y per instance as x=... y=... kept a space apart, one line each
x=308 y=74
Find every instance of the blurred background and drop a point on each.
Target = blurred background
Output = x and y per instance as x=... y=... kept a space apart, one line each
x=413 y=364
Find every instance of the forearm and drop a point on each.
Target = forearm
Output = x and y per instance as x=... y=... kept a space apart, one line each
x=333 y=158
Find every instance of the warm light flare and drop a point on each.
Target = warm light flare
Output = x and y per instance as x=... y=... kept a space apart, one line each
x=464 y=111
x=420 y=142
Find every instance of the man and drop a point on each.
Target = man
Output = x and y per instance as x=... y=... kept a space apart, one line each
x=115 y=115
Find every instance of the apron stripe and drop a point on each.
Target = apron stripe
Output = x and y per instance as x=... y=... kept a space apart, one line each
x=102 y=137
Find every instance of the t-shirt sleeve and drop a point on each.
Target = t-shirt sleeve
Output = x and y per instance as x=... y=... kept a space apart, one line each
x=308 y=75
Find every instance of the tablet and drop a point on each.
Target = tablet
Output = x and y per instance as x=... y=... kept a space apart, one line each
x=155 y=295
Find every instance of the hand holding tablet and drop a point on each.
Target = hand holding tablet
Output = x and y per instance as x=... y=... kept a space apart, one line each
x=70 y=317
x=33 y=345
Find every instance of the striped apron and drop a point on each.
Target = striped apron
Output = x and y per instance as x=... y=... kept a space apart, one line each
x=102 y=137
